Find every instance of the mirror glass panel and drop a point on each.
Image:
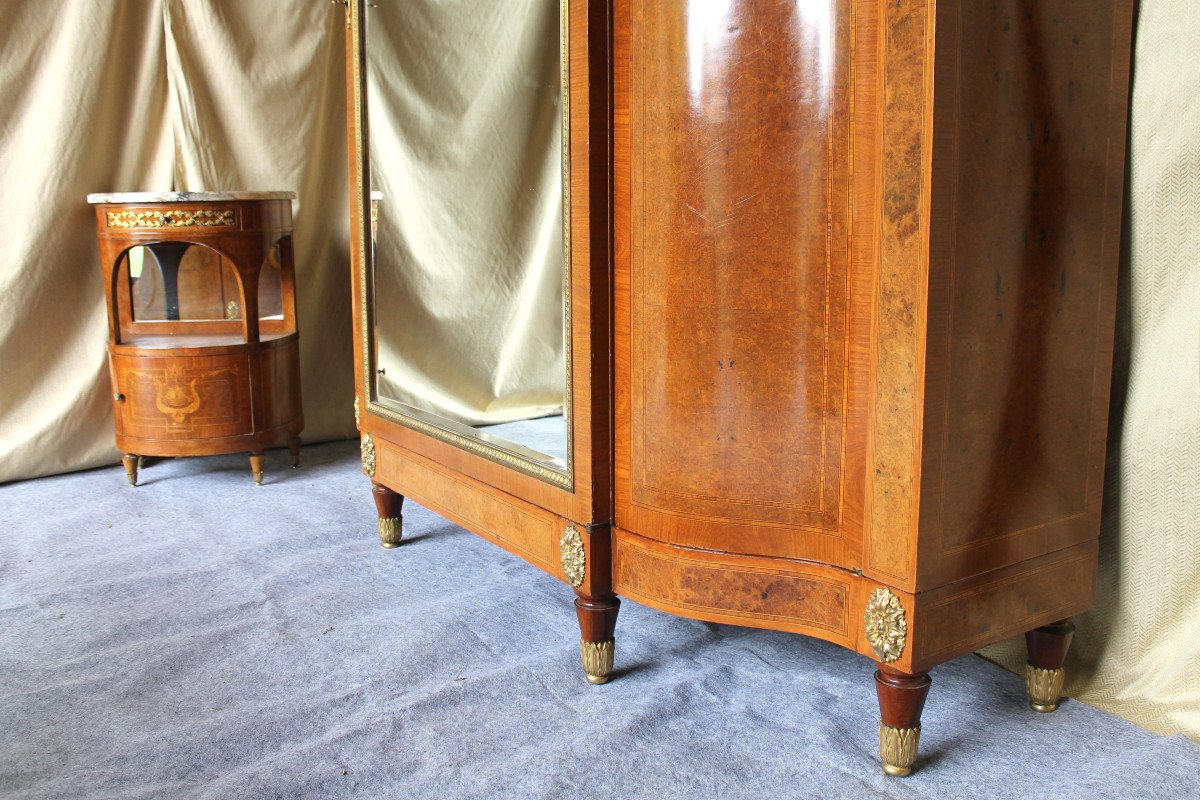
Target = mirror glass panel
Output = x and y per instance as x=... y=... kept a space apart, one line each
x=464 y=143
x=270 y=286
x=180 y=281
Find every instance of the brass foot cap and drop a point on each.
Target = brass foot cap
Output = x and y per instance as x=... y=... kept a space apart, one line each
x=898 y=748
x=391 y=531
x=1044 y=687
x=388 y=545
x=597 y=659
x=133 y=481
x=258 y=478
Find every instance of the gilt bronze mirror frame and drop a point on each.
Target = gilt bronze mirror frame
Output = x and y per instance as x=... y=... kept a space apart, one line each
x=461 y=435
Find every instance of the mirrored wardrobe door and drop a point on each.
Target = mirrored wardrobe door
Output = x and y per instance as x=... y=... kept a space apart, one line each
x=480 y=150
x=469 y=256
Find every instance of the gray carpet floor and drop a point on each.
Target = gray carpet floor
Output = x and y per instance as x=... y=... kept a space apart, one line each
x=198 y=637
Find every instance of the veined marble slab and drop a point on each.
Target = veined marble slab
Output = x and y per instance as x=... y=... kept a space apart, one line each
x=185 y=197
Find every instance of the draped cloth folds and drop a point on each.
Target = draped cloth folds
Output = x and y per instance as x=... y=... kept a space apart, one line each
x=83 y=108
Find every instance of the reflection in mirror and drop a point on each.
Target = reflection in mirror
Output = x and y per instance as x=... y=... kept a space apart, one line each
x=179 y=281
x=465 y=120
x=270 y=286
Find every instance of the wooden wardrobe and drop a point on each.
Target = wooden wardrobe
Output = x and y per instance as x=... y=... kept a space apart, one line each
x=843 y=332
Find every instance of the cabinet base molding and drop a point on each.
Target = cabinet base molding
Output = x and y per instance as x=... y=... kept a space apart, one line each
x=519 y=527
x=843 y=607
x=779 y=594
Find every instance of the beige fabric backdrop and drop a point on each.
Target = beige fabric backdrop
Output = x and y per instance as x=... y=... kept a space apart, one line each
x=124 y=95
x=465 y=139
x=83 y=108
x=153 y=95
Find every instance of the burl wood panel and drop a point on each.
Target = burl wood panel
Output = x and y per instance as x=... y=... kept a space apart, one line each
x=901 y=112
x=737 y=382
x=1028 y=171
x=740 y=590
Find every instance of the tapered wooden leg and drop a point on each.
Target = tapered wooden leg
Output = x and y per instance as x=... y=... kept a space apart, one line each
x=901 y=700
x=597 y=644
x=294 y=449
x=256 y=466
x=1044 y=671
x=391 y=522
x=131 y=463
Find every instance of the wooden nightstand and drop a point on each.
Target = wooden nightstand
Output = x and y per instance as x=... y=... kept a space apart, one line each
x=203 y=348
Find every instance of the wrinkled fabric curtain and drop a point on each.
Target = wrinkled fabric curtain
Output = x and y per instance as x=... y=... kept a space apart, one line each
x=83 y=108
x=465 y=121
x=153 y=95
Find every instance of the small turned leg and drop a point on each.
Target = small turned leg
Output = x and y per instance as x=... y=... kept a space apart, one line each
x=1044 y=671
x=294 y=449
x=597 y=645
x=131 y=463
x=256 y=466
x=391 y=522
x=901 y=700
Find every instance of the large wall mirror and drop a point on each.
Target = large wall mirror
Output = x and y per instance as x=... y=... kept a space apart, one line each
x=467 y=246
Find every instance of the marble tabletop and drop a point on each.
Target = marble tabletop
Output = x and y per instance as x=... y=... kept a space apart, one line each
x=185 y=197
